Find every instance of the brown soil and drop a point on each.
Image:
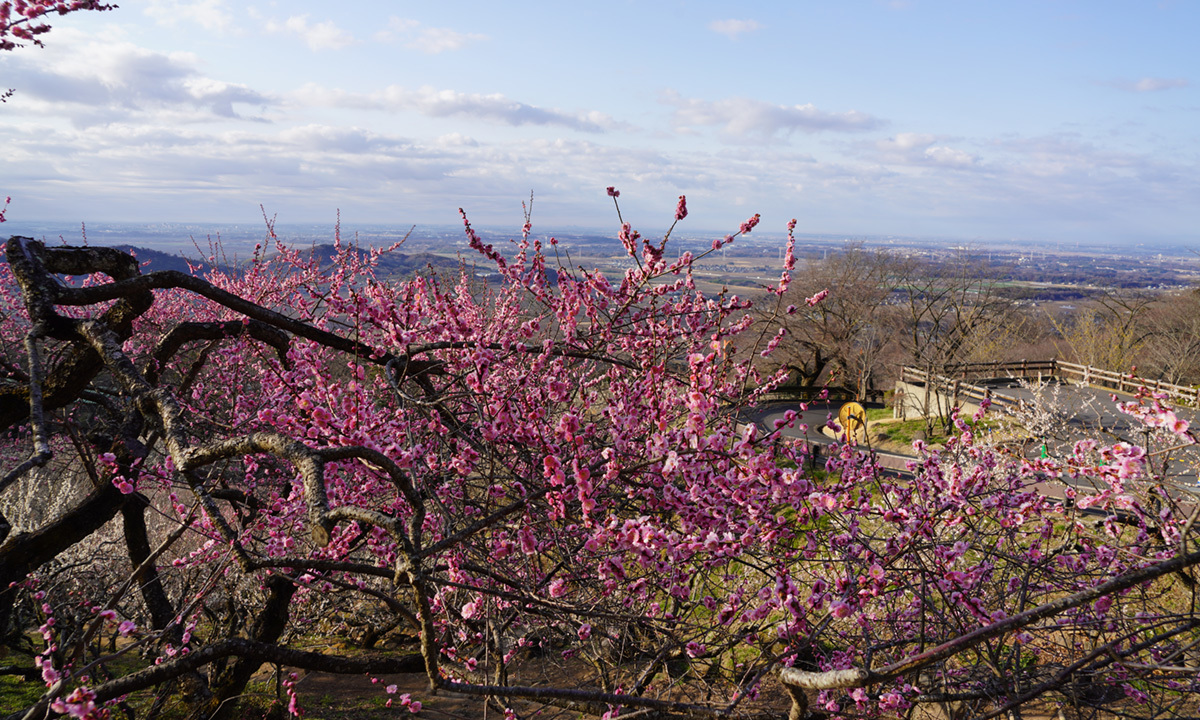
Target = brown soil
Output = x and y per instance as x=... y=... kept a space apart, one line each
x=326 y=696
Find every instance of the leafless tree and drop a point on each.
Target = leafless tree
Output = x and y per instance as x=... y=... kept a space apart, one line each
x=839 y=336
x=945 y=309
x=1172 y=351
x=1110 y=332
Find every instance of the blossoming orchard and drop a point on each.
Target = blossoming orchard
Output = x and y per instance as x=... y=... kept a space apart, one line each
x=540 y=493
x=543 y=490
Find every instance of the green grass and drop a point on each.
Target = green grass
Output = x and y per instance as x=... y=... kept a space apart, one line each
x=874 y=414
x=16 y=694
x=904 y=432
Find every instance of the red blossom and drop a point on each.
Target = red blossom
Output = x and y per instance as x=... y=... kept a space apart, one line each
x=20 y=19
x=575 y=460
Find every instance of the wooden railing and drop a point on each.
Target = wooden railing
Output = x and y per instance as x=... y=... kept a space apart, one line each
x=1083 y=374
x=1009 y=368
x=809 y=393
x=957 y=388
x=1125 y=382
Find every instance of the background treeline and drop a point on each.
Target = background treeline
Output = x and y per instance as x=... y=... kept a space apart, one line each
x=886 y=310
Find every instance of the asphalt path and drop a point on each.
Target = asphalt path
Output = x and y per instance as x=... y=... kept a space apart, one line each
x=808 y=422
x=1082 y=412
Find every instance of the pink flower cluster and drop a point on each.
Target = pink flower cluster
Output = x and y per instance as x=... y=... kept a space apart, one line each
x=812 y=301
x=566 y=451
x=681 y=209
x=19 y=18
x=403 y=700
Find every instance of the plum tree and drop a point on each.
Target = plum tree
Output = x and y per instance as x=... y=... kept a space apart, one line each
x=24 y=22
x=537 y=475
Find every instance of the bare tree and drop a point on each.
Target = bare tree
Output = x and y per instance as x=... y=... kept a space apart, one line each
x=946 y=309
x=838 y=336
x=1109 y=333
x=1172 y=351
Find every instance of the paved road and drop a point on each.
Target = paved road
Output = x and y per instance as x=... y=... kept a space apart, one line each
x=815 y=417
x=1091 y=412
x=1084 y=412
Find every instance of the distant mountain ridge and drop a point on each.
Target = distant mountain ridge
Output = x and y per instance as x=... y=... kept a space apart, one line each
x=393 y=265
x=400 y=266
x=152 y=260
x=390 y=266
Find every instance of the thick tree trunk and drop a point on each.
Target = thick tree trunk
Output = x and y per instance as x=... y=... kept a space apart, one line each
x=267 y=628
x=162 y=612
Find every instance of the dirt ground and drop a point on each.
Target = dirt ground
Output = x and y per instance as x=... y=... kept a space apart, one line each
x=340 y=697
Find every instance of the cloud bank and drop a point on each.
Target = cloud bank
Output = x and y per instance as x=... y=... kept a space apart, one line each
x=431 y=102
x=740 y=119
x=325 y=35
x=101 y=81
x=733 y=29
x=428 y=40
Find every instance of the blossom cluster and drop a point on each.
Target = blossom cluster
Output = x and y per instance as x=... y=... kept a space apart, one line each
x=565 y=455
x=21 y=20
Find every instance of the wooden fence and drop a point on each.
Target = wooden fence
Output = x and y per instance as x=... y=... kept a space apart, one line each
x=1125 y=382
x=955 y=376
x=955 y=388
x=1008 y=369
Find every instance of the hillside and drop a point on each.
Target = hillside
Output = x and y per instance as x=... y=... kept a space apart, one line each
x=395 y=265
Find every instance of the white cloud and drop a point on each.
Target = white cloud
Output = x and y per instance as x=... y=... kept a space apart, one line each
x=733 y=28
x=428 y=40
x=319 y=36
x=905 y=142
x=208 y=14
x=348 y=140
x=396 y=26
x=950 y=157
x=1150 y=84
x=747 y=119
x=495 y=108
x=455 y=140
x=99 y=81
x=915 y=149
x=437 y=40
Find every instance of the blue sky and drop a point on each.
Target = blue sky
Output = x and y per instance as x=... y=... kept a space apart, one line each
x=1038 y=121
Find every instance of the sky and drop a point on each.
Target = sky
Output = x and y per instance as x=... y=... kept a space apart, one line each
x=1050 y=121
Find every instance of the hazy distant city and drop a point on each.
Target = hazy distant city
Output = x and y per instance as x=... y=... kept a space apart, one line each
x=1050 y=270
